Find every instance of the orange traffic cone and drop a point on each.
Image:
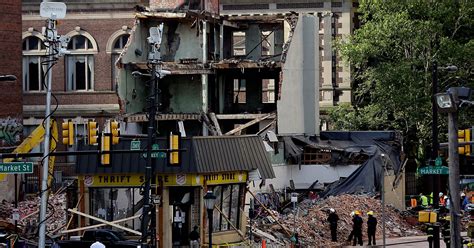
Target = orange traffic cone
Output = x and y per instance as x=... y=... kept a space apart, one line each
x=264 y=243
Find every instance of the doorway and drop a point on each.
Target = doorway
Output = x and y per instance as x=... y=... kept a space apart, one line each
x=183 y=205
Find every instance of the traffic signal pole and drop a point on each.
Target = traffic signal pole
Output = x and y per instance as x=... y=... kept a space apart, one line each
x=455 y=208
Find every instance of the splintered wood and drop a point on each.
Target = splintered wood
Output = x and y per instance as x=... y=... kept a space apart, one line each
x=312 y=226
x=29 y=211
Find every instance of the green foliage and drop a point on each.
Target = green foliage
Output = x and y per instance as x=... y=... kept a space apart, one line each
x=391 y=56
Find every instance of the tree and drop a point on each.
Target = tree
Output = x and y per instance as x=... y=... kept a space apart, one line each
x=391 y=55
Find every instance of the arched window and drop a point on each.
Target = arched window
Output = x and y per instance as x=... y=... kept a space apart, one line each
x=115 y=46
x=80 y=61
x=33 y=72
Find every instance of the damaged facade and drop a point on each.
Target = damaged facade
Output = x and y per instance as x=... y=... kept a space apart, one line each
x=235 y=71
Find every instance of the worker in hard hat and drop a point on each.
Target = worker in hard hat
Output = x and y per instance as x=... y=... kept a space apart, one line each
x=371 y=227
x=357 y=228
x=441 y=199
x=333 y=218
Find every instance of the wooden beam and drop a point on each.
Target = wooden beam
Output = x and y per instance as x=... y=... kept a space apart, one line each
x=99 y=225
x=248 y=124
x=215 y=122
x=104 y=221
x=239 y=116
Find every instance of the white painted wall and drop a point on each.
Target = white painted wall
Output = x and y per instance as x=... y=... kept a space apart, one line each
x=305 y=177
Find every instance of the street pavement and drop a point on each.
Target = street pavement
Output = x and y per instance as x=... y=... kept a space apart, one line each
x=412 y=241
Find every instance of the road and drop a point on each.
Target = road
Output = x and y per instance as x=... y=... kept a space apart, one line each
x=413 y=241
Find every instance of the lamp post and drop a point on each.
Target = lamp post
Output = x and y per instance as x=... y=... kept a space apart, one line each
x=447 y=102
x=435 y=179
x=209 y=202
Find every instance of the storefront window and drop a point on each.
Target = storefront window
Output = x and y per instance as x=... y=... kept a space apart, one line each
x=228 y=201
x=115 y=204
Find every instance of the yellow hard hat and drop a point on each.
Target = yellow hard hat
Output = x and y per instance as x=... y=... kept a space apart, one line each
x=357 y=212
x=370 y=213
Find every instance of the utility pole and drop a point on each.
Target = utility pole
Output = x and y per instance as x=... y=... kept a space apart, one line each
x=434 y=149
x=53 y=11
x=455 y=226
x=154 y=59
x=384 y=166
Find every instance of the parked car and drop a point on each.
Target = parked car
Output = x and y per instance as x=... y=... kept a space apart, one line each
x=109 y=238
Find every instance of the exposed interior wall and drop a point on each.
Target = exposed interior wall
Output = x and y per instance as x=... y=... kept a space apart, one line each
x=298 y=108
x=180 y=41
x=181 y=94
x=304 y=177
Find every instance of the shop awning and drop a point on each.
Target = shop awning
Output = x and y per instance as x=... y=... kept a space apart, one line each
x=202 y=155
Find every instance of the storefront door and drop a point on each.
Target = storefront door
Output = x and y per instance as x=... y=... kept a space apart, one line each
x=182 y=203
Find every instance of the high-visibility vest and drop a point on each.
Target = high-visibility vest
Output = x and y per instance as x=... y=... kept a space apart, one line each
x=424 y=200
x=431 y=198
x=413 y=203
x=441 y=201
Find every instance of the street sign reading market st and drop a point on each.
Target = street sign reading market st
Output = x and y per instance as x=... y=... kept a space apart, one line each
x=16 y=168
x=433 y=170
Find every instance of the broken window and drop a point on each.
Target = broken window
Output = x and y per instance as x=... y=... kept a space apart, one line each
x=238 y=43
x=268 y=90
x=240 y=92
x=33 y=49
x=228 y=201
x=268 y=44
x=313 y=155
x=80 y=64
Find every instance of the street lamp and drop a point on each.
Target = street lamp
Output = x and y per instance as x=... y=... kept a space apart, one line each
x=448 y=103
x=209 y=202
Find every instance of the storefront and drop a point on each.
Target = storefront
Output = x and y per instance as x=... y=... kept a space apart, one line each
x=113 y=194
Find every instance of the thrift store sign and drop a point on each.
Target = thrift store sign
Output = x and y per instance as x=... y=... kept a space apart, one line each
x=135 y=180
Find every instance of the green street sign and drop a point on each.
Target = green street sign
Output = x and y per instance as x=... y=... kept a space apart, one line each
x=156 y=147
x=135 y=145
x=433 y=170
x=16 y=168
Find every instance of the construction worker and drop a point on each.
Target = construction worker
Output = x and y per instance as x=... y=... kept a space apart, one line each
x=429 y=231
x=441 y=199
x=371 y=227
x=357 y=228
x=333 y=218
x=424 y=200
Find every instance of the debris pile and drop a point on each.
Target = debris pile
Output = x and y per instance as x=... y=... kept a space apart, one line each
x=29 y=211
x=313 y=229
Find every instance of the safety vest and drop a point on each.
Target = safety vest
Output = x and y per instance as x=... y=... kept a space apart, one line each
x=424 y=200
x=441 y=201
x=431 y=198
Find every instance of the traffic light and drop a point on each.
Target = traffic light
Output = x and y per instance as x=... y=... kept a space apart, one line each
x=105 y=158
x=68 y=133
x=464 y=136
x=115 y=132
x=92 y=133
x=174 y=144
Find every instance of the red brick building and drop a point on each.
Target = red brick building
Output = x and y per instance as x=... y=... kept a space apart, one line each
x=10 y=64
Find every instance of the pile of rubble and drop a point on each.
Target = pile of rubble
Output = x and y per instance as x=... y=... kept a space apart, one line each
x=29 y=211
x=313 y=229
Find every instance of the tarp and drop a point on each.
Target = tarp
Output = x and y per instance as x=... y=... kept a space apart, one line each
x=343 y=146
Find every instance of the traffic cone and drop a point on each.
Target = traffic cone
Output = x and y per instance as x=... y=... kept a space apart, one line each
x=264 y=243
